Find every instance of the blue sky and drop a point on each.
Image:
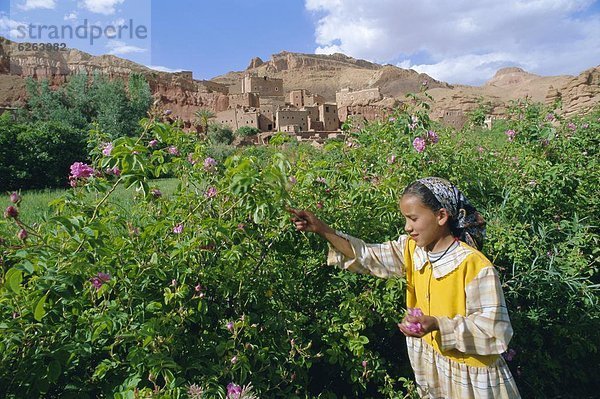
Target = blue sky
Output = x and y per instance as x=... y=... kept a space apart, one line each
x=463 y=41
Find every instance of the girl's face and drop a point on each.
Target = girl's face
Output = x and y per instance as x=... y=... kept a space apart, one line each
x=425 y=226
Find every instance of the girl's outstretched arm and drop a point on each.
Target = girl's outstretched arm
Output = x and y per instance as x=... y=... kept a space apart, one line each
x=307 y=221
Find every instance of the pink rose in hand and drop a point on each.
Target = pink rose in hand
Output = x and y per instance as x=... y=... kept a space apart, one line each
x=415 y=328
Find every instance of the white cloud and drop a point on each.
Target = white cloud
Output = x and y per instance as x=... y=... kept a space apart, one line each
x=469 y=68
x=163 y=69
x=71 y=16
x=34 y=4
x=462 y=41
x=106 y=7
x=8 y=27
x=117 y=47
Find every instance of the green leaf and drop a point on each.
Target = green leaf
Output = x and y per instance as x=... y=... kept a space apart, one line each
x=13 y=279
x=39 y=312
x=53 y=371
x=26 y=266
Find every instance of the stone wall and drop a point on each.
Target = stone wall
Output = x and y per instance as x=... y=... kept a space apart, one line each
x=454 y=118
x=313 y=115
x=347 y=97
x=238 y=117
x=303 y=98
x=328 y=114
x=366 y=112
x=287 y=117
x=262 y=85
x=244 y=100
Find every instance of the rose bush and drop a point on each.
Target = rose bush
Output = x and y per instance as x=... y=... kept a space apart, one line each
x=208 y=290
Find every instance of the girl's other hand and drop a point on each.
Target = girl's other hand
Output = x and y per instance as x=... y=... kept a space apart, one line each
x=428 y=324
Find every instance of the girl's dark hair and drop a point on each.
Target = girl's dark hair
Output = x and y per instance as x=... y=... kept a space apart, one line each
x=424 y=194
x=419 y=190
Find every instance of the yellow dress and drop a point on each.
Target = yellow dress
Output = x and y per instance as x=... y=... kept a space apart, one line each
x=462 y=290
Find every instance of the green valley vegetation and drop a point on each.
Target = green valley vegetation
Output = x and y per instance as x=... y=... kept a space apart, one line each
x=38 y=144
x=209 y=288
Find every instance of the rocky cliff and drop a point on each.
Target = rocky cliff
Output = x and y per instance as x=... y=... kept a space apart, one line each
x=176 y=91
x=320 y=74
x=328 y=74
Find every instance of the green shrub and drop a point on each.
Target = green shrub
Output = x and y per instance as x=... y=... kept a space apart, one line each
x=245 y=131
x=220 y=134
x=211 y=285
x=38 y=155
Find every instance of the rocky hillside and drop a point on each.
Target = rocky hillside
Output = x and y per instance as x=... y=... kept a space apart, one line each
x=320 y=74
x=578 y=93
x=176 y=91
x=327 y=74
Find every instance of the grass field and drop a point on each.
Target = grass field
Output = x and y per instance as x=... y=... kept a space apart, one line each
x=34 y=206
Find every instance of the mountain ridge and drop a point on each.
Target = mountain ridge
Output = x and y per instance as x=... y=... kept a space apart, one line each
x=318 y=73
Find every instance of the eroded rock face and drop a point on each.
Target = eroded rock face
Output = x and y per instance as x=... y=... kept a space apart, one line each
x=178 y=92
x=580 y=94
x=327 y=74
x=320 y=74
x=255 y=63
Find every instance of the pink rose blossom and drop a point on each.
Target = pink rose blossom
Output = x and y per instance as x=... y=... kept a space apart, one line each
x=414 y=328
x=510 y=134
x=22 y=234
x=209 y=164
x=11 y=212
x=80 y=170
x=419 y=144
x=432 y=137
x=15 y=198
x=99 y=280
x=211 y=192
x=107 y=148
x=233 y=391
x=114 y=171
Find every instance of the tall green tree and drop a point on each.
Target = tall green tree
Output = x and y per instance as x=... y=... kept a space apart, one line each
x=203 y=117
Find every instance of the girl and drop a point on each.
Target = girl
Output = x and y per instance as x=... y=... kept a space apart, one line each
x=457 y=325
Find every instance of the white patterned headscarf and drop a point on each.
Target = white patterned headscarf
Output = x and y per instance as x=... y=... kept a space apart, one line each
x=465 y=220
